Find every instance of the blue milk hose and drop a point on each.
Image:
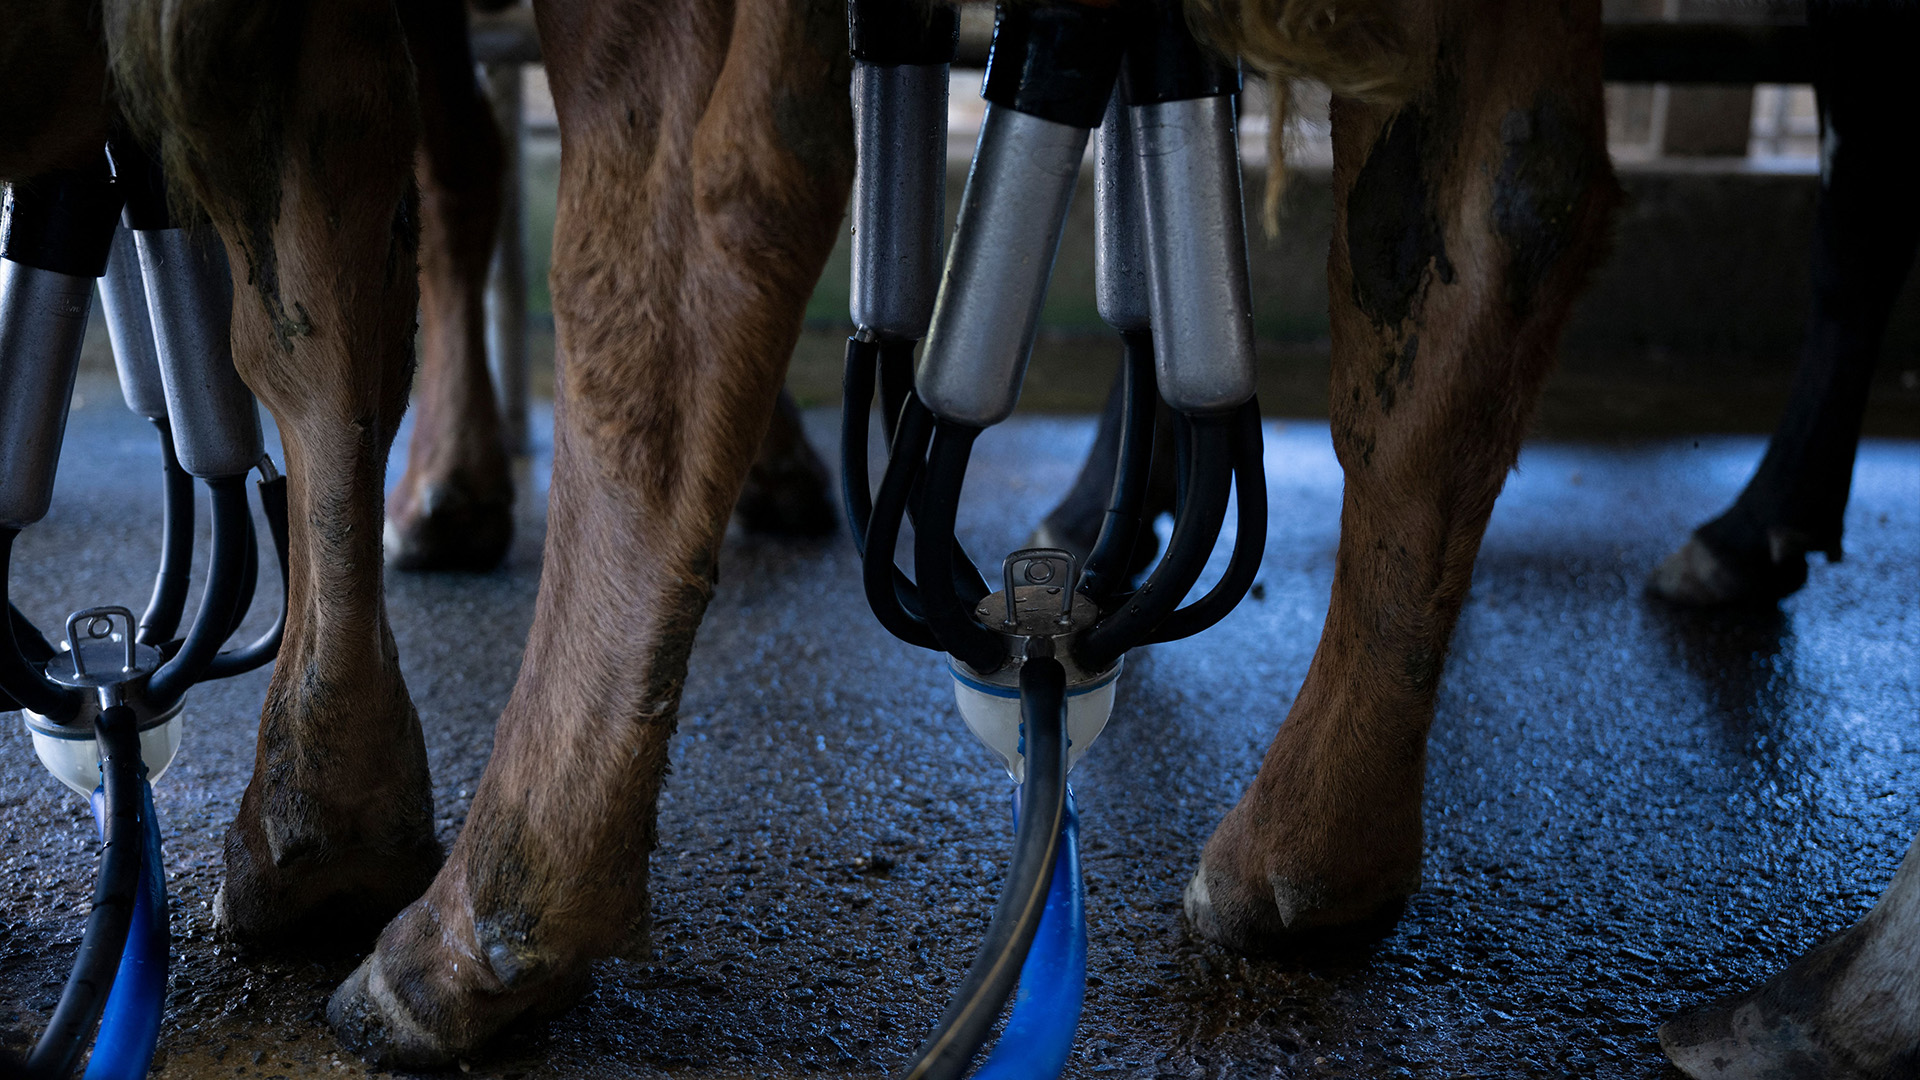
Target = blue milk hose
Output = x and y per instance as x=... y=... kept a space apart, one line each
x=1053 y=981
x=130 y=1024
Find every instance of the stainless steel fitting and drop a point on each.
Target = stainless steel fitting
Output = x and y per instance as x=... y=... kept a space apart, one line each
x=1041 y=606
x=1120 y=249
x=123 y=300
x=899 y=196
x=43 y=320
x=216 y=425
x=1196 y=253
x=996 y=275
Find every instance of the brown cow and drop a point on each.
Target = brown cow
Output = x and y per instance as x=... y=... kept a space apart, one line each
x=708 y=161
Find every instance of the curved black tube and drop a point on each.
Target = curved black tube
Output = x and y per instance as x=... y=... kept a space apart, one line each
x=1195 y=527
x=1249 y=541
x=170 y=584
x=855 y=486
x=94 y=965
x=888 y=595
x=949 y=613
x=1043 y=799
x=33 y=644
x=26 y=684
x=856 y=397
x=1112 y=552
x=273 y=499
x=896 y=383
x=214 y=620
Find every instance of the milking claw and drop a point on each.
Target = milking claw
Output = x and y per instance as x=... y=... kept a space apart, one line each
x=1035 y=663
x=105 y=707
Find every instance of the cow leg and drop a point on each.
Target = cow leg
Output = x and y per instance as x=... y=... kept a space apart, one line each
x=1866 y=227
x=1850 y=1007
x=453 y=508
x=1465 y=223
x=308 y=177
x=709 y=156
x=786 y=489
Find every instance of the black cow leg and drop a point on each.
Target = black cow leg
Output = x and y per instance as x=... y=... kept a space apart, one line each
x=1074 y=524
x=1866 y=225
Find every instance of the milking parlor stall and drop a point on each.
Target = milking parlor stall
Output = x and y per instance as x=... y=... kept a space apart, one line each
x=1263 y=565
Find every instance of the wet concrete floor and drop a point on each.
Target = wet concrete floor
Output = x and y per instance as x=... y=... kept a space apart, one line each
x=1628 y=809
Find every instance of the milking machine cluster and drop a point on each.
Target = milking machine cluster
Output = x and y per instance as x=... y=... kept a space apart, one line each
x=1034 y=664
x=104 y=707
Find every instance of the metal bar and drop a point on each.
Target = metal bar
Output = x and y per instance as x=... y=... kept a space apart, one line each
x=1647 y=52
x=1707 y=53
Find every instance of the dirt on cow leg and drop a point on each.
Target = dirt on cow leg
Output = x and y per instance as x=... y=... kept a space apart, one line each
x=709 y=156
x=453 y=507
x=308 y=177
x=1849 y=1008
x=1465 y=223
x=786 y=493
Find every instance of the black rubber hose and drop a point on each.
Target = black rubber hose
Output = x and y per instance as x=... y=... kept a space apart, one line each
x=949 y=613
x=170 y=584
x=1043 y=800
x=54 y=1056
x=856 y=490
x=856 y=402
x=896 y=383
x=273 y=500
x=26 y=684
x=214 y=620
x=1195 y=527
x=1112 y=554
x=893 y=604
x=895 y=360
x=1249 y=541
x=249 y=578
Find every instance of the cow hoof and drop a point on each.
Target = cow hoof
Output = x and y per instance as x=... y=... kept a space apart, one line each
x=1794 y=1027
x=326 y=894
x=1288 y=915
x=452 y=525
x=370 y=1019
x=1252 y=895
x=1698 y=576
x=788 y=499
x=398 y=1010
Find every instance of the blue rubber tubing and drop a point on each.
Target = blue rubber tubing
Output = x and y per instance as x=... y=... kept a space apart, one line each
x=1053 y=981
x=130 y=1026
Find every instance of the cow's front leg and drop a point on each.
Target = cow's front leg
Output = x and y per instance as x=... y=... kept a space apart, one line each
x=708 y=160
x=1466 y=221
x=1849 y=1008
x=453 y=507
x=308 y=176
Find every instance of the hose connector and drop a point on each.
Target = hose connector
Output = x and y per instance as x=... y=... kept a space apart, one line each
x=1039 y=610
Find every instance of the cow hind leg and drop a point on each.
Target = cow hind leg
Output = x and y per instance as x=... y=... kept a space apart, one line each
x=709 y=156
x=1866 y=227
x=1850 y=1007
x=786 y=493
x=453 y=507
x=1466 y=222
x=308 y=177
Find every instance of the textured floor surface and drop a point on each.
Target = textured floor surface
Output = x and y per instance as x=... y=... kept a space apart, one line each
x=1628 y=809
